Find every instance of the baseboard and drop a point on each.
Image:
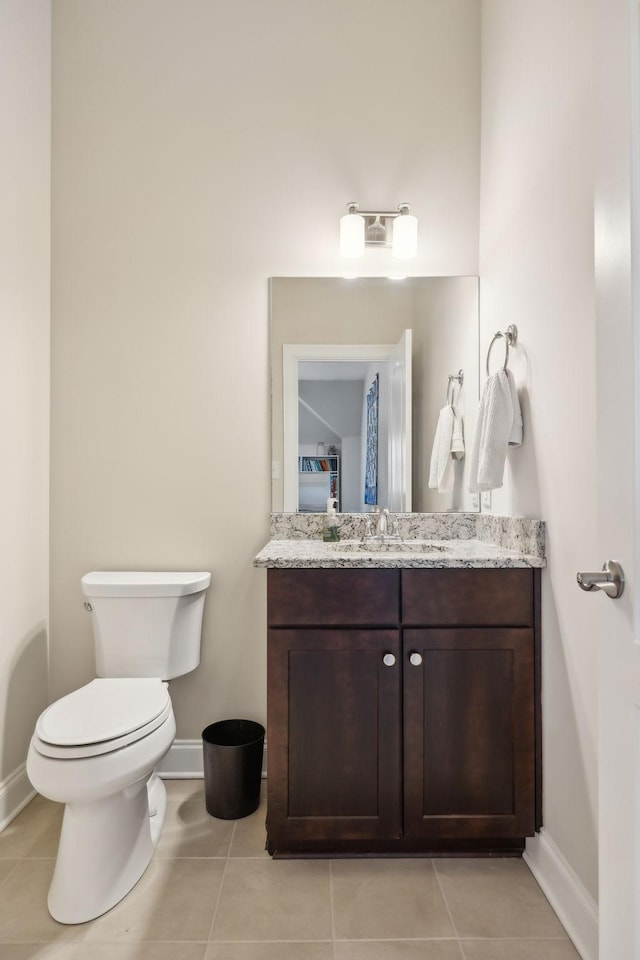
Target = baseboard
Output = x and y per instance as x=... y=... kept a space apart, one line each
x=574 y=905
x=184 y=761
x=15 y=793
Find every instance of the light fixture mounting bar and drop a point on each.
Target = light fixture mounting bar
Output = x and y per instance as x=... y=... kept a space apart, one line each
x=381 y=228
x=378 y=224
x=379 y=213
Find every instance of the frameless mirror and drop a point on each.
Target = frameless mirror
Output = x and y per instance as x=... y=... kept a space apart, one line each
x=359 y=373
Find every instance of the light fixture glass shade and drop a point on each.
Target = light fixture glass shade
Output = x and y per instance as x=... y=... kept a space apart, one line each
x=405 y=236
x=352 y=235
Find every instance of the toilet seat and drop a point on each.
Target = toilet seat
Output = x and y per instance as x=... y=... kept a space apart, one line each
x=102 y=716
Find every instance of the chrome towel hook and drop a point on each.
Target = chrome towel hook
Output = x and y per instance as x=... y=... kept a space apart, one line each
x=453 y=377
x=510 y=337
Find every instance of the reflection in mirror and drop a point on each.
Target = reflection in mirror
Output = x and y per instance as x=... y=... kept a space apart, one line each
x=359 y=405
x=331 y=428
x=329 y=339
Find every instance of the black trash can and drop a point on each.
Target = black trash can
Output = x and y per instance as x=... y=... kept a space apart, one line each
x=232 y=752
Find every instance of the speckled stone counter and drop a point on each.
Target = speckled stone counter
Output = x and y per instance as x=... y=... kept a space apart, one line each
x=449 y=540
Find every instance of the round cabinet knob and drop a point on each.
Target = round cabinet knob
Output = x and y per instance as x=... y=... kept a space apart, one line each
x=388 y=659
x=415 y=659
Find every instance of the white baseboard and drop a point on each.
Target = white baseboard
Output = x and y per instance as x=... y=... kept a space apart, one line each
x=574 y=905
x=184 y=761
x=15 y=793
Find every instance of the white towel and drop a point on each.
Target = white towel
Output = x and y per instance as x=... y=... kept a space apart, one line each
x=448 y=445
x=499 y=426
x=457 y=437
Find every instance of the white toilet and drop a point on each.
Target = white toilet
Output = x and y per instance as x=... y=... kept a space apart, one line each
x=96 y=749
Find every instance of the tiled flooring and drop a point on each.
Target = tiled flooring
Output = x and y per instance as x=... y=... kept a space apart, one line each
x=213 y=893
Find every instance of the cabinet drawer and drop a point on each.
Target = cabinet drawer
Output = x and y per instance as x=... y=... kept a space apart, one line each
x=469 y=597
x=333 y=597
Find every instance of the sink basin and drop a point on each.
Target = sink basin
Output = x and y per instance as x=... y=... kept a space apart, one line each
x=389 y=546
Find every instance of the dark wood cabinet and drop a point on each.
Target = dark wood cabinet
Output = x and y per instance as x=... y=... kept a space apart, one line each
x=403 y=711
x=337 y=776
x=469 y=733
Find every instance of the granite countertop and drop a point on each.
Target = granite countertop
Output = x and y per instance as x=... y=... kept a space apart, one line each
x=447 y=553
x=430 y=540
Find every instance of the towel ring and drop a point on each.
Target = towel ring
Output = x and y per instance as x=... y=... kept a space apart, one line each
x=510 y=337
x=459 y=376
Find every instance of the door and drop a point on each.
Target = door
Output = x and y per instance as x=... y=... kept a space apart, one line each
x=469 y=708
x=334 y=736
x=618 y=416
x=400 y=426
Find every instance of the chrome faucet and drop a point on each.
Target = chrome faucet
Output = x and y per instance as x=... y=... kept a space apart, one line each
x=380 y=526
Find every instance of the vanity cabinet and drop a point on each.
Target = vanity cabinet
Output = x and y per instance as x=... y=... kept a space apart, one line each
x=403 y=711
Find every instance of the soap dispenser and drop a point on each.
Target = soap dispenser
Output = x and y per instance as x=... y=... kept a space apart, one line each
x=330 y=531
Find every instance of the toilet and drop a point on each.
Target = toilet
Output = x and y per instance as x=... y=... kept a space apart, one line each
x=96 y=749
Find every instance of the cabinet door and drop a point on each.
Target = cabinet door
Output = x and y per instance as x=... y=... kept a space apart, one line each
x=469 y=723
x=334 y=736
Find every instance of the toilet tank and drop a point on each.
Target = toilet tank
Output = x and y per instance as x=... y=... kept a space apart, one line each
x=146 y=624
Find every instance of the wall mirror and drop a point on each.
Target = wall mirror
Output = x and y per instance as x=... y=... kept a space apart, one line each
x=359 y=374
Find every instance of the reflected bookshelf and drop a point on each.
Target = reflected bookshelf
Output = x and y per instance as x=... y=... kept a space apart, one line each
x=329 y=467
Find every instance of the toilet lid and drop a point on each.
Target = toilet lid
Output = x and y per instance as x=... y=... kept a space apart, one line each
x=103 y=710
x=105 y=746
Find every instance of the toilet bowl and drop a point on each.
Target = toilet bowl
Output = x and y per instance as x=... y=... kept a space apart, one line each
x=96 y=749
x=114 y=807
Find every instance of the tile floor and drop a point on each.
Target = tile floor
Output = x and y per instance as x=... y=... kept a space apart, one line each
x=213 y=893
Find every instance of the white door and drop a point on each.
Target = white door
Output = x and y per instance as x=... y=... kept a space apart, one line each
x=618 y=448
x=400 y=426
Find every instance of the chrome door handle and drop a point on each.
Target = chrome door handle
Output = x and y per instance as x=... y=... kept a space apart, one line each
x=415 y=659
x=610 y=579
x=388 y=659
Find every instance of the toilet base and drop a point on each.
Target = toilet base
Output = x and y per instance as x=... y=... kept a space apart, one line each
x=105 y=847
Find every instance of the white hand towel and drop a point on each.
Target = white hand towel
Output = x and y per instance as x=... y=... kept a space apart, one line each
x=499 y=425
x=515 y=437
x=457 y=437
x=441 y=468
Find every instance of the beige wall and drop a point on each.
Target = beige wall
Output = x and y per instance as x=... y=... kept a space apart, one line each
x=199 y=148
x=536 y=264
x=25 y=108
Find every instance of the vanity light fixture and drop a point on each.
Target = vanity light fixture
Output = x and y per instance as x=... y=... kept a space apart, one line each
x=397 y=229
